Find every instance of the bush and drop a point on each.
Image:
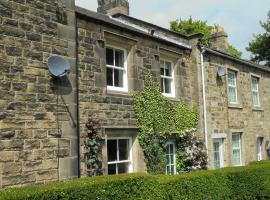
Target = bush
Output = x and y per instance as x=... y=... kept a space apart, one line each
x=245 y=183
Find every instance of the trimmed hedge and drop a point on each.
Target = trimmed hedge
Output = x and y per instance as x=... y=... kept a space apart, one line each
x=240 y=183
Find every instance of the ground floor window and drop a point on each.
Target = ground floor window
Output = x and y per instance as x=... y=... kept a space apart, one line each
x=170 y=155
x=119 y=155
x=236 y=149
x=259 y=148
x=218 y=153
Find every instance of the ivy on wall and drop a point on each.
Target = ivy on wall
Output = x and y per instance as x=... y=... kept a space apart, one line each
x=160 y=120
x=93 y=148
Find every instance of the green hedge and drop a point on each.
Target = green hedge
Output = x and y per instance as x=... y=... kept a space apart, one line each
x=251 y=182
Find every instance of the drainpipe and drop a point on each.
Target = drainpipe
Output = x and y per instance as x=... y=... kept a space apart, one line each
x=204 y=102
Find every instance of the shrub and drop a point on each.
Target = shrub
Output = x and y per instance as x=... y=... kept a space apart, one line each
x=245 y=183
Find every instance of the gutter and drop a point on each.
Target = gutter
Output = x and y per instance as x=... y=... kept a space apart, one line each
x=204 y=101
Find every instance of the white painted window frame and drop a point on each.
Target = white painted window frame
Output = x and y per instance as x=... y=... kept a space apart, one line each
x=256 y=90
x=129 y=161
x=174 y=158
x=233 y=86
x=125 y=71
x=172 y=94
x=237 y=148
x=220 y=151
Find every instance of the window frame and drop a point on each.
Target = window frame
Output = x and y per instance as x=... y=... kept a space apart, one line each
x=174 y=158
x=257 y=91
x=129 y=161
x=124 y=69
x=220 y=141
x=234 y=86
x=172 y=85
x=237 y=148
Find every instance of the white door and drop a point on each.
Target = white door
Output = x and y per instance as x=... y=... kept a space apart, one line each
x=218 y=153
x=259 y=148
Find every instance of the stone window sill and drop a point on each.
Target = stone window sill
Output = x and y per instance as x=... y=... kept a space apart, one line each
x=235 y=106
x=118 y=93
x=257 y=109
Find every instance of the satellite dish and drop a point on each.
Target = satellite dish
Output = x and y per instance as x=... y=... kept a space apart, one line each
x=221 y=71
x=58 y=66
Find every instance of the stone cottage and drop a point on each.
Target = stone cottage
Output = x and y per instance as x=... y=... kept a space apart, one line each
x=42 y=119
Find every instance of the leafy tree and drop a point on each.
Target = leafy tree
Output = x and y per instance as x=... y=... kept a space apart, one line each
x=191 y=26
x=260 y=46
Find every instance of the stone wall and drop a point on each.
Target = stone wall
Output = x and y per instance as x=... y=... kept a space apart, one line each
x=115 y=109
x=222 y=117
x=38 y=137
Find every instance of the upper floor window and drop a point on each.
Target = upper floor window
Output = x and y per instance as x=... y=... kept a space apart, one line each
x=167 y=78
x=232 y=87
x=236 y=149
x=116 y=63
x=170 y=155
x=119 y=155
x=255 y=91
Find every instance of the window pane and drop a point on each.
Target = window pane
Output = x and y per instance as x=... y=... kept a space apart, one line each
x=109 y=76
x=235 y=141
x=168 y=71
x=162 y=84
x=118 y=78
x=112 y=150
x=216 y=155
x=167 y=85
x=122 y=168
x=236 y=157
x=231 y=79
x=109 y=56
x=119 y=58
x=171 y=148
x=232 y=95
x=168 y=169
x=123 y=149
x=112 y=169
x=254 y=84
x=255 y=98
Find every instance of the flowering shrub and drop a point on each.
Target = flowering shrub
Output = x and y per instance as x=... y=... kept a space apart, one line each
x=191 y=152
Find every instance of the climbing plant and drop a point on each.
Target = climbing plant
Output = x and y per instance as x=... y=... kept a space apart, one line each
x=160 y=120
x=93 y=147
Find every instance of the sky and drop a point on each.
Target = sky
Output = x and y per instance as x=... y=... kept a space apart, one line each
x=240 y=18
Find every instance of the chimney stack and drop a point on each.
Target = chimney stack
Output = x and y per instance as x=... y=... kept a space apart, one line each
x=113 y=7
x=219 y=40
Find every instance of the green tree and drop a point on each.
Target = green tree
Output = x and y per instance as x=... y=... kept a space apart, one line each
x=191 y=26
x=260 y=46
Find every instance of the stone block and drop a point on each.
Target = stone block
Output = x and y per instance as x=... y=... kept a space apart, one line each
x=8 y=156
x=34 y=165
x=12 y=180
x=13 y=51
x=7 y=133
x=50 y=143
x=66 y=32
x=11 y=168
x=68 y=168
x=31 y=144
x=14 y=145
x=100 y=80
x=47 y=175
